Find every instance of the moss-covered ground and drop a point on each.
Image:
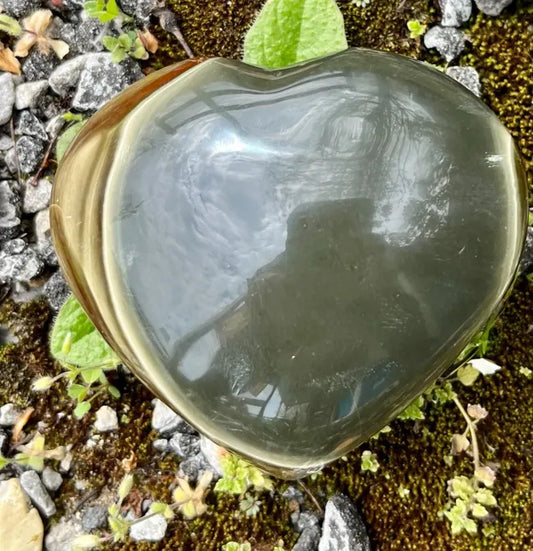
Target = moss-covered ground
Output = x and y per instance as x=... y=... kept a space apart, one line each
x=412 y=455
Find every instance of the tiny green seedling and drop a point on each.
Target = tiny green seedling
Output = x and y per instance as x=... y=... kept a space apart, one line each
x=126 y=44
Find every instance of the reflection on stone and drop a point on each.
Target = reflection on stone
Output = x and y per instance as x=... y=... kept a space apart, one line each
x=288 y=258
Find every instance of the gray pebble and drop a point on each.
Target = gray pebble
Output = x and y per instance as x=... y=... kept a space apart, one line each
x=93 y=518
x=52 y=480
x=160 y=445
x=19 y=8
x=56 y=290
x=29 y=125
x=7 y=93
x=492 y=7
x=9 y=210
x=34 y=488
x=39 y=66
x=59 y=536
x=65 y=77
x=448 y=41
x=30 y=153
x=106 y=419
x=19 y=262
x=151 y=529
x=184 y=445
x=36 y=197
x=308 y=540
x=27 y=94
x=9 y=413
x=455 y=12
x=467 y=76
x=166 y=421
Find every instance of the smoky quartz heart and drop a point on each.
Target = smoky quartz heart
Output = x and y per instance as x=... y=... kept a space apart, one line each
x=288 y=258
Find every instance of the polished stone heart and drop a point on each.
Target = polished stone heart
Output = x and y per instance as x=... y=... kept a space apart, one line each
x=288 y=258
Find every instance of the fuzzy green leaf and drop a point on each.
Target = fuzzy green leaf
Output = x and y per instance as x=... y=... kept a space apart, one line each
x=82 y=409
x=9 y=25
x=292 y=31
x=77 y=392
x=67 y=137
x=91 y=375
x=88 y=348
x=114 y=391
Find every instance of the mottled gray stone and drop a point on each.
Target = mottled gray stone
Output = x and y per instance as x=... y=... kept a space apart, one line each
x=27 y=94
x=304 y=520
x=29 y=125
x=93 y=518
x=85 y=36
x=526 y=261
x=36 y=197
x=448 y=41
x=52 y=480
x=34 y=488
x=39 y=66
x=308 y=540
x=343 y=529
x=455 y=12
x=184 y=445
x=166 y=421
x=19 y=8
x=160 y=444
x=106 y=419
x=66 y=76
x=7 y=93
x=30 y=153
x=61 y=535
x=467 y=76
x=19 y=262
x=5 y=142
x=492 y=7
x=4 y=439
x=101 y=80
x=193 y=467
x=211 y=453
x=9 y=414
x=9 y=210
x=151 y=529
x=44 y=245
x=56 y=290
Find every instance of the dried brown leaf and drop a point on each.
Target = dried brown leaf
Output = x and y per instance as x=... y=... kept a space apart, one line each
x=149 y=41
x=8 y=61
x=35 y=29
x=20 y=424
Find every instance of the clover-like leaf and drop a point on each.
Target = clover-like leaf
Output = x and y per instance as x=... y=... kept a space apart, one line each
x=66 y=138
x=292 y=31
x=413 y=412
x=88 y=348
x=82 y=409
x=369 y=461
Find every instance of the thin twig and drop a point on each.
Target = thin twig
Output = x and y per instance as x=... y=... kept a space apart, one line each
x=33 y=180
x=17 y=164
x=311 y=496
x=472 y=429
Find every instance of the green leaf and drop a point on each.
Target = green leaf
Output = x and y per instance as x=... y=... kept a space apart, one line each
x=479 y=511
x=485 y=497
x=3 y=461
x=88 y=348
x=292 y=31
x=110 y=42
x=77 y=392
x=114 y=391
x=82 y=409
x=467 y=375
x=416 y=28
x=369 y=461
x=125 y=487
x=91 y=375
x=118 y=54
x=67 y=137
x=9 y=25
x=413 y=412
x=36 y=462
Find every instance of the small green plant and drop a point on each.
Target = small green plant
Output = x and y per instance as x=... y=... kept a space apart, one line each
x=104 y=10
x=84 y=356
x=68 y=135
x=416 y=28
x=239 y=475
x=250 y=505
x=369 y=462
x=234 y=546
x=187 y=500
x=126 y=44
x=9 y=25
x=34 y=454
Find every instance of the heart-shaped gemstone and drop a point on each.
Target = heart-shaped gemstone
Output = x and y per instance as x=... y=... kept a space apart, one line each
x=288 y=258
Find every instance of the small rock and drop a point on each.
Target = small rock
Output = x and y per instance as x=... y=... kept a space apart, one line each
x=54 y=125
x=29 y=125
x=66 y=463
x=144 y=9
x=448 y=41
x=5 y=142
x=30 y=153
x=455 y=12
x=56 y=290
x=492 y=7
x=161 y=444
x=94 y=518
x=4 y=439
x=106 y=419
x=43 y=235
x=36 y=198
x=467 y=76
x=193 y=467
x=34 y=488
x=7 y=93
x=66 y=76
x=343 y=529
x=101 y=80
x=292 y=493
x=304 y=520
x=21 y=528
x=308 y=540
x=61 y=535
x=52 y=480
x=211 y=453
x=19 y=8
x=9 y=210
x=164 y=420
x=9 y=414
x=84 y=37
x=184 y=445
x=39 y=66
x=151 y=529
x=27 y=94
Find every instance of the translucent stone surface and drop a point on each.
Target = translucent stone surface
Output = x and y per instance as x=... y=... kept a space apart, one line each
x=289 y=258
